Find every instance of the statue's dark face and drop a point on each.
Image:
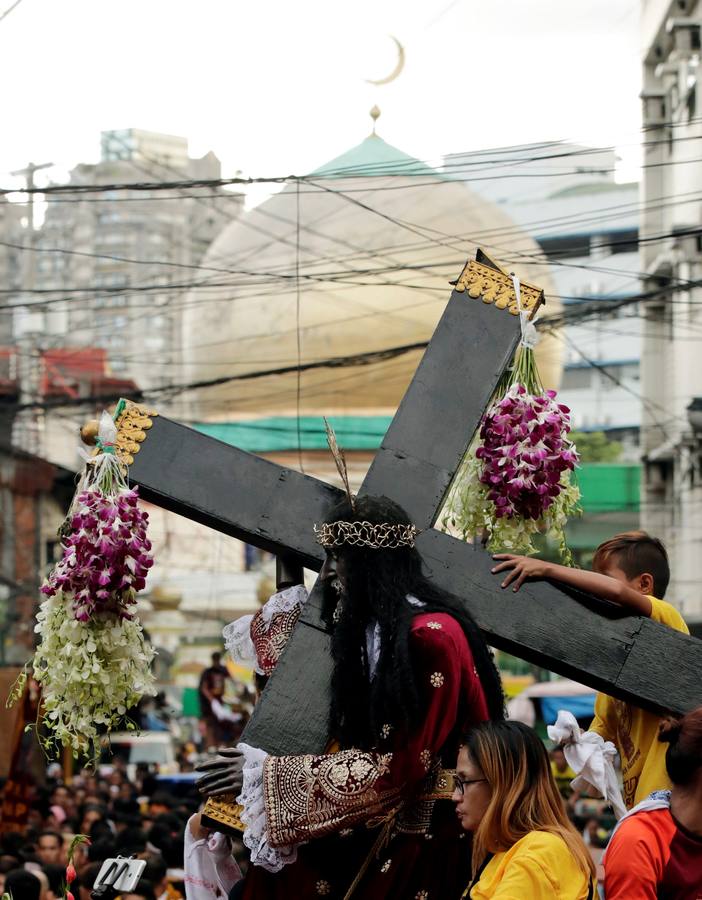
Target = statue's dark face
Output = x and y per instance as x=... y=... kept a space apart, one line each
x=334 y=578
x=334 y=567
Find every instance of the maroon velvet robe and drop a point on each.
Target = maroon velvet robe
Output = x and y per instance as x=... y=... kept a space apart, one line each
x=380 y=808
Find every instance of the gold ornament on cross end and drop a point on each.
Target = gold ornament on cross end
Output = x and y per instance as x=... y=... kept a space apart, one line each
x=494 y=285
x=133 y=421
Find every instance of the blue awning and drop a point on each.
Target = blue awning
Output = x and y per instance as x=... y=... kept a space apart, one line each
x=582 y=707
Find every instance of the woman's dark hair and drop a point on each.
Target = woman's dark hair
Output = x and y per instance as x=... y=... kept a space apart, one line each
x=56 y=876
x=21 y=883
x=378 y=583
x=683 y=758
x=144 y=889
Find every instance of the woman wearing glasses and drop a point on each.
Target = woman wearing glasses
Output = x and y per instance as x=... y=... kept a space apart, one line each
x=523 y=844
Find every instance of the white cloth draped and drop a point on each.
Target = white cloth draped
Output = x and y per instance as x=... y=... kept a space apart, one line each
x=588 y=754
x=210 y=870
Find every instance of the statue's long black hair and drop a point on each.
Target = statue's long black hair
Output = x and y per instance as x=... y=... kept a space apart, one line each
x=377 y=584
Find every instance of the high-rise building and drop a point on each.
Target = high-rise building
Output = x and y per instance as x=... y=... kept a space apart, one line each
x=117 y=262
x=149 y=147
x=671 y=257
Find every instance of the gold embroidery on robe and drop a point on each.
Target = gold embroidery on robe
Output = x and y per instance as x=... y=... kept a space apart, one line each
x=322 y=793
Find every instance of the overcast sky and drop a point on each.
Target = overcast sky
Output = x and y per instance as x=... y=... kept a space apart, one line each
x=274 y=87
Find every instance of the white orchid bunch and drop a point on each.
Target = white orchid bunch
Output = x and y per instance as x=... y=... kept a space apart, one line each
x=91 y=673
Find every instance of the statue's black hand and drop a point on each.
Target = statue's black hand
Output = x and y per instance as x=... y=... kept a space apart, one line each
x=222 y=775
x=214 y=765
x=224 y=759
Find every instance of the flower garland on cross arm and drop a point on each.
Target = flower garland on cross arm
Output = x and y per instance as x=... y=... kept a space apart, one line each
x=515 y=481
x=92 y=661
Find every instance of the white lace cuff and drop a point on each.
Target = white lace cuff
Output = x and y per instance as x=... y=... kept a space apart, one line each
x=237 y=634
x=254 y=815
x=238 y=643
x=284 y=601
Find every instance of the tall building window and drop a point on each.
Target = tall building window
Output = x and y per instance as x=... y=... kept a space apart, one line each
x=565 y=246
x=624 y=241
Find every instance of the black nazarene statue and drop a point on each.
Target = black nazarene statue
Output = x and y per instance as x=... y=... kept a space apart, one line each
x=371 y=818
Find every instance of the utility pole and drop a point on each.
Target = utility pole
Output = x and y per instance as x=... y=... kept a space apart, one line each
x=28 y=324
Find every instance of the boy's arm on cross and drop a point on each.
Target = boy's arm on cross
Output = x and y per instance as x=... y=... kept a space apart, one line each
x=520 y=568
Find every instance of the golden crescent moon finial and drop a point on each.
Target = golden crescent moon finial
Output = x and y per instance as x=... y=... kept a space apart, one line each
x=399 y=66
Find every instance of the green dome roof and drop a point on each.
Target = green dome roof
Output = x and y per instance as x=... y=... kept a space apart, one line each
x=374 y=157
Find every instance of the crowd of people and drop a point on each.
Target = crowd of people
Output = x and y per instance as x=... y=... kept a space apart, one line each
x=418 y=715
x=141 y=818
x=514 y=797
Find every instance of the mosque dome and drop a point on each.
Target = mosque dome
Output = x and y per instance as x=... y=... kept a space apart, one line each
x=375 y=237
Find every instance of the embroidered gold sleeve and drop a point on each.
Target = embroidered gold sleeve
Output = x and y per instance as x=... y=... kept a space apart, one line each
x=311 y=796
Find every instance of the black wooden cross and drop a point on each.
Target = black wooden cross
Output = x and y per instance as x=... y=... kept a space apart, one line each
x=275 y=508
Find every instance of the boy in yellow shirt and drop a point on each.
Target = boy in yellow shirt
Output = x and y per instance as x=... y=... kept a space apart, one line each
x=630 y=569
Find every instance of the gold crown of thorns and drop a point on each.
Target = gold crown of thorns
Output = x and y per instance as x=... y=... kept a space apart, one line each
x=381 y=536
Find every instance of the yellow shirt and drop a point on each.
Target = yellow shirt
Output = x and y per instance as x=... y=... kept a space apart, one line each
x=538 y=867
x=634 y=732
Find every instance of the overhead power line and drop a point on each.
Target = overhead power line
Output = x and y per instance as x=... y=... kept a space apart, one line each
x=184 y=184
x=334 y=362
x=339 y=362
x=7 y=12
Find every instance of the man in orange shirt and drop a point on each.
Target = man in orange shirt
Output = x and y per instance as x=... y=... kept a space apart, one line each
x=656 y=850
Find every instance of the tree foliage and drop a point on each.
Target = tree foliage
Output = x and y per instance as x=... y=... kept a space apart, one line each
x=595 y=447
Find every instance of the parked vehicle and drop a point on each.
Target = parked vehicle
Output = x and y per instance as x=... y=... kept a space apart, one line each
x=156 y=749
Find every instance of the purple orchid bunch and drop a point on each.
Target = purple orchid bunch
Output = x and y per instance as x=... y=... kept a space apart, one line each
x=524 y=451
x=106 y=555
x=515 y=482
